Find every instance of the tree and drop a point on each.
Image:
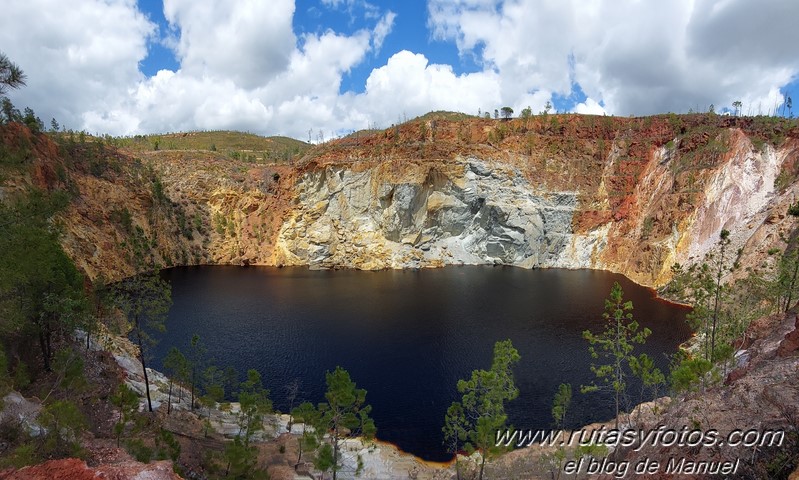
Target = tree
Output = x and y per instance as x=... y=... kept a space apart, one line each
x=166 y=446
x=615 y=346
x=496 y=113
x=292 y=390
x=652 y=379
x=196 y=362
x=68 y=370
x=63 y=423
x=32 y=121
x=724 y=241
x=507 y=112
x=547 y=107
x=10 y=113
x=722 y=311
x=527 y=113
x=480 y=414
x=11 y=76
x=344 y=415
x=241 y=456
x=561 y=403
x=455 y=432
x=689 y=372
x=100 y=299
x=255 y=403
x=310 y=438
x=145 y=300
x=701 y=285
x=41 y=297
x=560 y=406
x=737 y=105
x=6 y=381
x=128 y=402
x=789 y=104
x=214 y=382
x=242 y=461
x=177 y=367
x=696 y=286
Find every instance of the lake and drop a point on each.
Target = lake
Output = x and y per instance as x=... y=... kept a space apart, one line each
x=408 y=336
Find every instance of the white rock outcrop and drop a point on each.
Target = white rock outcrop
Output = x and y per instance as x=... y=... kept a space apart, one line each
x=478 y=214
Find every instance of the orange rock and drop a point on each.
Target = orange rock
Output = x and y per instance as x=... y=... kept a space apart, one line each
x=790 y=343
x=76 y=469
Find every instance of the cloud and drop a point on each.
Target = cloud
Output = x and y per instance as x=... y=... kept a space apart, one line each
x=383 y=29
x=589 y=107
x=409 y=85
x=634 y=57
x=78 y=56
x=248 y=42
x=370 y=10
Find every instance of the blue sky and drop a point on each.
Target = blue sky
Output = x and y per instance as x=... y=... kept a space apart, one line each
x=286 y=67
x=159 y=56
x=409 y=32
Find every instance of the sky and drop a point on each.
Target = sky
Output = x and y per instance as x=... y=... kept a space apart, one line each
x=285 y=67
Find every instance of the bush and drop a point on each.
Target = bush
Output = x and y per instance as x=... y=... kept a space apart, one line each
x=139 y=451
x=167 y=447
x=689 y=374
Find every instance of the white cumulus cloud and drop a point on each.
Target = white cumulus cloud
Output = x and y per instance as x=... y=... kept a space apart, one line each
x=634 y=57
x=78 y=56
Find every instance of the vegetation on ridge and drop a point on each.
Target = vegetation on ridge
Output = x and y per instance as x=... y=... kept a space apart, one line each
x=237 y=145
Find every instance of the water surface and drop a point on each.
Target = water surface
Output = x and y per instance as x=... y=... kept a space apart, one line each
x=407 y=336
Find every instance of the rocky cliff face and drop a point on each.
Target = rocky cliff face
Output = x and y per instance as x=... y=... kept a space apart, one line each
x=631 y=196
x=466 y=211
x=504 y=209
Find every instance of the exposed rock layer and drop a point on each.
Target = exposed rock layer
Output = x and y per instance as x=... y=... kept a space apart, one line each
x=631 y=196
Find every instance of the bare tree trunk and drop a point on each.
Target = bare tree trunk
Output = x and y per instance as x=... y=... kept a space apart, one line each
x=43 y=345
x=144 y=369
x=193 y=377
x=335 y=452
x=169 y=401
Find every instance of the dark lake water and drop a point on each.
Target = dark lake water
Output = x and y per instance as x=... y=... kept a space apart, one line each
x=407 y=336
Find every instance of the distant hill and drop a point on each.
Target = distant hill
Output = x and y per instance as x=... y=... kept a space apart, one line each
x=234 y=143
x=444 y=115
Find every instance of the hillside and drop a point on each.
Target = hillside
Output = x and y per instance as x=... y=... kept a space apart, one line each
x=629 y=195
x=246 y=146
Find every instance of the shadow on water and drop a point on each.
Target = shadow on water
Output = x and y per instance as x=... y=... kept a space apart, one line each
x=407 y=336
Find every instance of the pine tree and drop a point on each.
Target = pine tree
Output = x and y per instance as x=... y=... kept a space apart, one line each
x=345 y=414
x=145 y=299
x=11 y=76
x=614 y=346
x=196 y=363
x=177 y=367
x=310 y=438
x=128 y=402
x=476 y=419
